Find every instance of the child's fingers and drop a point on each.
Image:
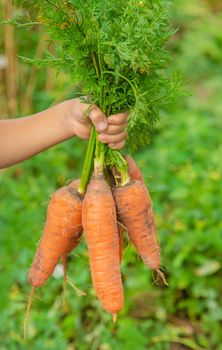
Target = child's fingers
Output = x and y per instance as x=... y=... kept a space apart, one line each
x=98 y=118
x=115 y=129
x=112 y=138
x=118 y=119
x=118 y=145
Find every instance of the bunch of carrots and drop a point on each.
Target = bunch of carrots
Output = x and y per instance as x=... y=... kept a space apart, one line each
x=103 y=213
x=115 y=51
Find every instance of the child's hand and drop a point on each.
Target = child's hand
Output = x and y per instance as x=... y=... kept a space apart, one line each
x=22 y=138
x=112 y=129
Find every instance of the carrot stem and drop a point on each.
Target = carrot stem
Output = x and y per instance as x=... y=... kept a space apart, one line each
x=88 y=162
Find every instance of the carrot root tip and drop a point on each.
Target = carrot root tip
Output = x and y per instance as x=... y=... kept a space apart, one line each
x=78 y=291
x=114 y=317
x=64 y=265
x=28 y=311
x=160 y=277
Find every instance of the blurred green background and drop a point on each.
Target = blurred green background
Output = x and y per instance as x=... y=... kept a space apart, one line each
x=183 y=170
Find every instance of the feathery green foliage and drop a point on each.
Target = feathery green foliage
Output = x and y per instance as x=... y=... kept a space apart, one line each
x=116 y=51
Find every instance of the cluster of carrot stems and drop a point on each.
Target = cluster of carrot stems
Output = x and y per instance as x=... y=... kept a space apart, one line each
x=96 y=162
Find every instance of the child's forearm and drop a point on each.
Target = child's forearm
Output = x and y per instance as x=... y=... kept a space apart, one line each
x=24 y=137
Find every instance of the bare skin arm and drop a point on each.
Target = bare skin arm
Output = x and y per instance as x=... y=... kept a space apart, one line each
x=22 y=138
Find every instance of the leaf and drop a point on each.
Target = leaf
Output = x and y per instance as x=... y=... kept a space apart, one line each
x=117 y=53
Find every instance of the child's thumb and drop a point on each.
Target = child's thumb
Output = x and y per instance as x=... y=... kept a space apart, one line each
x=98 y=118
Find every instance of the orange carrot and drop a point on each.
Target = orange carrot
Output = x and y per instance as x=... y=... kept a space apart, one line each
x=61 y=233
x=135 y=210
x=135 y=174
x=74 y=240
x=100 y=227
x=134 y=171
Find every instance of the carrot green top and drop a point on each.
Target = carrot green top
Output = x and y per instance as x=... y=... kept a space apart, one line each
x=116 y=52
